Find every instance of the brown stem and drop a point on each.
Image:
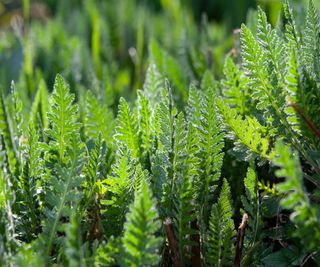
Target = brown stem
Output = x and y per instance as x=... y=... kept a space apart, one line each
x=195 y=250
x=240 y=239
x=96 y=229
x=173 y=244
x=310 y=125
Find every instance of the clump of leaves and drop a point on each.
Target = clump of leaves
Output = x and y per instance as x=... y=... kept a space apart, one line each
x=91 y=179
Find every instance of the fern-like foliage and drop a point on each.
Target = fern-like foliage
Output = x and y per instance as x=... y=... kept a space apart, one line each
x=8 y=239
x=208 y=82
x=17 y=115
x=252 y=206
x=74 y=245
x=28 y=255
x=145 y=128
x=205 y=141
x=248 y=134
x=234 y=86
x=95 y=166
x=292 y=85
x=307 y=90
x=265 y=80
x=251 y=200
x=30 y=180
x=62 y=193
x=140 y=245
x=311 y=46
x=302 y=90
x=211 y=141
x=221 y=230
x=166 y=113
x=5 y=128
x=164 y=130
x=98 y=119
x=106 y=254
x=63 y=118
x=8 y=146
x=95 y=171
x=255 y=66
x=119 y=188
x=187 y=178
x=126 y=131
x=179 y=145
x=292 y=32
x=100 y=202
x=159 y=161
x=285 y=96
x=153 y=83
x=182 y=192
x=274 y=48
x=175 y=171
x=304 y=215
x=194 y=107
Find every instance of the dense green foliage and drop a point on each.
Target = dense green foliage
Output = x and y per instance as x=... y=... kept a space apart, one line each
x=153 y=158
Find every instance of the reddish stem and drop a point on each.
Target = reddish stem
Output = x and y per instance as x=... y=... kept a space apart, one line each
x=173 y=244
x=195 y=250
x=310 y=125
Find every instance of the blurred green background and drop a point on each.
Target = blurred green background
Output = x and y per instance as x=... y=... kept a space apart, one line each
x=232 y=11
x=107 y=45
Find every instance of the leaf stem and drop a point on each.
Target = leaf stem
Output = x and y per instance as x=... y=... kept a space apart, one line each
x=173 y=244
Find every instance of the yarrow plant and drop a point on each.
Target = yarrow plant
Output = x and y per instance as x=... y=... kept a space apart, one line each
x=226 y=173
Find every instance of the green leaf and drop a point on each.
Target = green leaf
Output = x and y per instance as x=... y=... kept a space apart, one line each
x=98 y=119
x=126 y=131
x=234 y=86
x=211 y=143
x=140 y=245
x=273 y=46
x=248 y=134
x=5 y=129
x=221 y=230
x=311 y=39
x=153 y=84
x=63 y=118
x=304 y=214
x=145 y=128
x=61 y=194
x=120 y=188
x=74 y=248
